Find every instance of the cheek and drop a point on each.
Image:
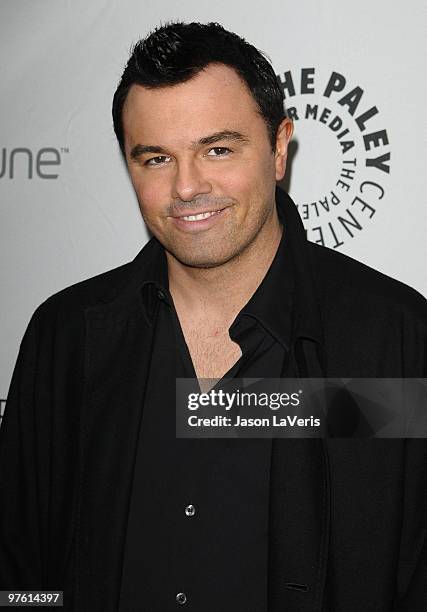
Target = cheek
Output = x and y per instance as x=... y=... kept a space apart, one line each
x=236 y=181
x=250 y=185
x=248 y=174
x=152 y=201
x=152 y=210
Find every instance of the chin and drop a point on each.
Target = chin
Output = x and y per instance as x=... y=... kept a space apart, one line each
x=202 y=261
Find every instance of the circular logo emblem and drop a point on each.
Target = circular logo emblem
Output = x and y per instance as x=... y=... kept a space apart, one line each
x=339 y=157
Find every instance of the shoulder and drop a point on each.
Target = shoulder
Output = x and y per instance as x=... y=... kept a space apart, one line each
x=67 y=306
x=72 y=301
x=355 y=286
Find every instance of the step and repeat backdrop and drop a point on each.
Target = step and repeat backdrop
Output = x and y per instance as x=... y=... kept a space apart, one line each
x=354 y=84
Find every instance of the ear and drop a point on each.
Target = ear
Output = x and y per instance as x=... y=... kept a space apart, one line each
x=283 y=137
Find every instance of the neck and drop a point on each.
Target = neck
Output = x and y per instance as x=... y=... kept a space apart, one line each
x=222 y=291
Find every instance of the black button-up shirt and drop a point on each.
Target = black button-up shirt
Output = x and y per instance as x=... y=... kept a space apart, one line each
x=177 y=504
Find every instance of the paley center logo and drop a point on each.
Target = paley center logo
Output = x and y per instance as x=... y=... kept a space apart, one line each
x=341 y=176
x=23 y=162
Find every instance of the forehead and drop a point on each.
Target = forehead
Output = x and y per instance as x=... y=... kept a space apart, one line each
x=214 y=99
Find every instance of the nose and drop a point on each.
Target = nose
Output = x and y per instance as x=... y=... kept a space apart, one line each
x=189 y=181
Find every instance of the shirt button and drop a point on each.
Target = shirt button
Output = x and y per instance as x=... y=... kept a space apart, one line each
x=161 y=294
x=181 y=598
x=190 y=510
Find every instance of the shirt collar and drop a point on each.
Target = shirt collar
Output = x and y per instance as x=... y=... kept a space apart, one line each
x=271 y=304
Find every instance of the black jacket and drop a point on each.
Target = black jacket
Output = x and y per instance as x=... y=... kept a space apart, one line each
x=69 y=437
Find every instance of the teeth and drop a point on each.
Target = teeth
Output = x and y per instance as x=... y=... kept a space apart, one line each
x=201 y=216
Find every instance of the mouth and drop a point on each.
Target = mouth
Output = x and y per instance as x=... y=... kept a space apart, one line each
x=200 y=221
x=200 y=216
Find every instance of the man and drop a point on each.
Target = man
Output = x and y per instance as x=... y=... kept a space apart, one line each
x=100 y=498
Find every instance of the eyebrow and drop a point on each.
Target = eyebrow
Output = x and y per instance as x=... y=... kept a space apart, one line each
x=223 y=135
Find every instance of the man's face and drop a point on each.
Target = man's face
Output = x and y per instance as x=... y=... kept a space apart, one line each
x=200 y=147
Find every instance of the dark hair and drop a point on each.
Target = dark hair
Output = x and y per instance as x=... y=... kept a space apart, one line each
x=175 y=52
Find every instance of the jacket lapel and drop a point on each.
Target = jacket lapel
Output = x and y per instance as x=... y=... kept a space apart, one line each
x=305 y=539
x=117 y=361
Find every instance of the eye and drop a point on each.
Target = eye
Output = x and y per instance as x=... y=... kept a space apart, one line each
x=219 y=152
x=156 y=161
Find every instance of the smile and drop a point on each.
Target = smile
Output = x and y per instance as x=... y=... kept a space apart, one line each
x=200 y=216
x=200 y=223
